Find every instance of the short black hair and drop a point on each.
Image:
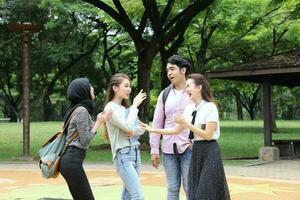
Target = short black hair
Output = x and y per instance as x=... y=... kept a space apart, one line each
x=179 y=61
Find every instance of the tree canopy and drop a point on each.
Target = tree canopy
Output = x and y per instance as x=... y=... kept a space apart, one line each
x=96 y=39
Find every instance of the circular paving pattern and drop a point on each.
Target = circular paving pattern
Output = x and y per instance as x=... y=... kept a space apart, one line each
x=27 y=184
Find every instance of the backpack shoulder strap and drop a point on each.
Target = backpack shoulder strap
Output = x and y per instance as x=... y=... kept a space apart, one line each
x=68 y=122
x=165 y=95
x=74 y=134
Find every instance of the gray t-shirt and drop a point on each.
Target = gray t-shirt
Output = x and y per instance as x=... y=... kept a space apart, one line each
x=82 y=122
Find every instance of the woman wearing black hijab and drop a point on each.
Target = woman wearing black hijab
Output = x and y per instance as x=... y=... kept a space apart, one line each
x=81 y=94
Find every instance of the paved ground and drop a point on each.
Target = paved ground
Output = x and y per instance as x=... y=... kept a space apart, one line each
x=273 y=181
x=280 y=170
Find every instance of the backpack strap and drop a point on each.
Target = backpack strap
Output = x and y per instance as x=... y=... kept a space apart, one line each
x=73 y=137
x=69 y=120
x=74 y=134
x=67 y=124
x=165 y=95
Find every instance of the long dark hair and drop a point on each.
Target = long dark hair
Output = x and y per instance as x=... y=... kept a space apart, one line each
x=206 y=93
x=116 y=80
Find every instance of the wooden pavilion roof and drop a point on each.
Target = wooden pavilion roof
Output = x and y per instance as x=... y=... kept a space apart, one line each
x=282 y=69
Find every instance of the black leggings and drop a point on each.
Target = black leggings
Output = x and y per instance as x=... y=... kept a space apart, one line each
x=73 y=172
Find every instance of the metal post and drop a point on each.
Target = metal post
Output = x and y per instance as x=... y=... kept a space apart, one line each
x=26 y=103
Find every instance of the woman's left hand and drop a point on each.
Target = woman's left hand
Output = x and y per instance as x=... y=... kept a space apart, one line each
x=179 y=120
x=144 y=126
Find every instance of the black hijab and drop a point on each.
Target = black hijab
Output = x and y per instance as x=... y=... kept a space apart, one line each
x=79 y=94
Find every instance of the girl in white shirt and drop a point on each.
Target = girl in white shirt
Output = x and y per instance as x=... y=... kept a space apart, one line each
x=123 y=132
x=206 y=177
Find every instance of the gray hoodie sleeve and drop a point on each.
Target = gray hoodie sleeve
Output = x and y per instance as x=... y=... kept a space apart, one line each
x=84 y=127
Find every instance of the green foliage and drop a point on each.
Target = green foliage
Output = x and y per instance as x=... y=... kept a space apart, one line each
x=65 y=49
x=286 y=102
x=241 y=31
x=23 y=11
x=80 y=40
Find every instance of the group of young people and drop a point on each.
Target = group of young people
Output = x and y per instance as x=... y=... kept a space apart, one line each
x=185 y=116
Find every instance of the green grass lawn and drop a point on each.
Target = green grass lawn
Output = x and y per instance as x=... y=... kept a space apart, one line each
x=238 y=139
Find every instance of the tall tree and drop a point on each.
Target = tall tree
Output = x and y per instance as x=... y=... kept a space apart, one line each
x=70 y=38
x=157 y=27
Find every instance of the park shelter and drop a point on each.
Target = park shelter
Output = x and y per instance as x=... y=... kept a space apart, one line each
x=281 y=70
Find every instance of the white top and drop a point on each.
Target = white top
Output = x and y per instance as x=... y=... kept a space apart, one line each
x=206 y=112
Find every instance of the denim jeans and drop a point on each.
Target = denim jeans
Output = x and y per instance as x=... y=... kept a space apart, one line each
x=177 y=168
x=128 y=165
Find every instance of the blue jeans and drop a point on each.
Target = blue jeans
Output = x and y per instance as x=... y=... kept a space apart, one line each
x=177 y=168
x=128 y=165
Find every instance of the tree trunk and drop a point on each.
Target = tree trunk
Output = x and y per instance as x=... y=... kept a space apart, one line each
x=145 y=60
x=201 y=60
x=251 y=112
x=144 y=83
x=239 y=108
x=164 y=55
x=273 y=120
x=10 y=112
x=47 y=106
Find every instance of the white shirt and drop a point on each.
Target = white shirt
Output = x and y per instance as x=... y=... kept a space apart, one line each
x=206 y=112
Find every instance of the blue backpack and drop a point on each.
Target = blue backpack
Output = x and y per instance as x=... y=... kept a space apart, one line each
x=52 y=150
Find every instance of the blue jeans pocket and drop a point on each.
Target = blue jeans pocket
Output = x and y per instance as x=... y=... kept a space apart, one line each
x=124 y=156
x=124 y=150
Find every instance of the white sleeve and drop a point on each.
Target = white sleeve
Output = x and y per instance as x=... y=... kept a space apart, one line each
x=125 y=124
x=212 y=114
x=138 y=131
x=187 y=113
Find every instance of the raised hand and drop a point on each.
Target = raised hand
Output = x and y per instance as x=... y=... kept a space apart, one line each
x=140 y=97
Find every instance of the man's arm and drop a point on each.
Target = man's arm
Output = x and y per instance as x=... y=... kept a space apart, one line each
x=158 y=122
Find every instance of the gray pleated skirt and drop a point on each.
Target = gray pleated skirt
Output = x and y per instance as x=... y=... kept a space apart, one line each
x=207 y=179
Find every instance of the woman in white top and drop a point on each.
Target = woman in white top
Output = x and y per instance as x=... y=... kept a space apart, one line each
x=123 y=132
x=206 y=178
